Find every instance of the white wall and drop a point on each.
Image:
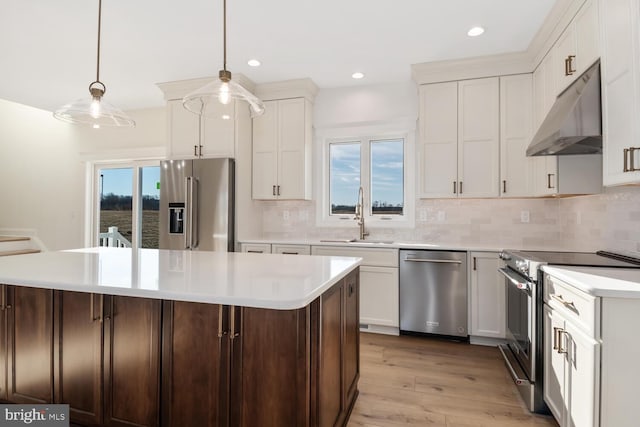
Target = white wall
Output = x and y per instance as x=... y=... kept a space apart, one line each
x=41 y=176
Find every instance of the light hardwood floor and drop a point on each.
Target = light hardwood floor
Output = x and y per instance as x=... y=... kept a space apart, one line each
x=430 y=382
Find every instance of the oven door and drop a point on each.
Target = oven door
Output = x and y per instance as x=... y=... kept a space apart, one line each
x=520 y=299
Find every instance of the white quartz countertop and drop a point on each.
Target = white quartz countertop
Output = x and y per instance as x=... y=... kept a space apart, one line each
x=600 y=282
x=281 y=282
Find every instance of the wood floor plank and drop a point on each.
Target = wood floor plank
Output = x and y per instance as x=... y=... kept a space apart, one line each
x=415 y=381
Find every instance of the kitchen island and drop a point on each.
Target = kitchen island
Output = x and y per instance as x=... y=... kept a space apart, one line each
x=178 y=338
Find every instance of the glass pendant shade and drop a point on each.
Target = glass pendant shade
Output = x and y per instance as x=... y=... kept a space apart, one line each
x=93 y=111
x=203 y=101
x=206 y=100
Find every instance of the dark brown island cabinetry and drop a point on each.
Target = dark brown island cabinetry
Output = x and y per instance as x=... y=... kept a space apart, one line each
x=107 y=358
x=261 y=367
x=129 y=361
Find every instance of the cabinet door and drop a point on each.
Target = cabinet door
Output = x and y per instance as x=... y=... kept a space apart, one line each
x=292 y=148
x=218 y=136
x=545 y=175
x=554 y=364
x=439 y=128
x=351 y=337
x=516 y=118
x=3 y=344
x=194 y=364
x=620 y=65
x=582 y=379
x=379 y=296
x=30 y=345
x=265 y=152
x=131 y=361
x=183 y=131
x=78 y=361
x=270 y=343
x=565 y=58
x=587 y=36
x=330 y=377
x=478 y=138
x=487 y=296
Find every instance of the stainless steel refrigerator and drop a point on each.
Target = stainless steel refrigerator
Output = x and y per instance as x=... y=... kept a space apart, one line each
x=197 y=204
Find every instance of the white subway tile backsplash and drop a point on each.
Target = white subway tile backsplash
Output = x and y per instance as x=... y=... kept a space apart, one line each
x=610 y=220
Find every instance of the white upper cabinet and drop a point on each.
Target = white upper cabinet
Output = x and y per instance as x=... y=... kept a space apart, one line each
x=516 y=121
x=578 y=47
x=620 y=67
x=192 y=136
x=478 y=138
x=439 y=128
x=282 y=140
x=460 y=138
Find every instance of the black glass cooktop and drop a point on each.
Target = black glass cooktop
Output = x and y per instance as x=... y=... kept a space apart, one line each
x=586 y=259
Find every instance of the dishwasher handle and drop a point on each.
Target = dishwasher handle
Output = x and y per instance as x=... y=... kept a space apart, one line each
x=438 y=261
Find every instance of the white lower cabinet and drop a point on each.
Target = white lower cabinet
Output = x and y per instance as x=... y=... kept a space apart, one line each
x=572 y=355
x=379 y=296
x=256 y=248
x=290 y=249
x=379 y=286
x=487 y=296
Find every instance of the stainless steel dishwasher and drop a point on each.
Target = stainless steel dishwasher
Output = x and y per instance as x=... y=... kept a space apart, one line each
x=433 y=292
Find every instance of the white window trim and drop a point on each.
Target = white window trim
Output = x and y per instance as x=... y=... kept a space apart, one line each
x=404 y=129
x=92 y=223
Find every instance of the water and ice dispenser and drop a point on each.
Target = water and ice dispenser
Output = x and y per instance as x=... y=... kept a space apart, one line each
x=176 y=218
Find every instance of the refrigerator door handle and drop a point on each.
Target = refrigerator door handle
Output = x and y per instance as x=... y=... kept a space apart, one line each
x=194 y=231
x=187 y=216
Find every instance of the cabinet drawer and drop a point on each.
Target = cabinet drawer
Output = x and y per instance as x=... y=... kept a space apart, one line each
x=583 y=309
x=259 y=248
x=375 y=257
x=291 y=249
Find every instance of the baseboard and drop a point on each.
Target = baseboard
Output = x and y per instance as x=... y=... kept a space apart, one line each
x=490 y=342
x=377 y=329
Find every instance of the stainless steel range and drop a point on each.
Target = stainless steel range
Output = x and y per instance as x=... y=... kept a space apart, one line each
x=523 y=353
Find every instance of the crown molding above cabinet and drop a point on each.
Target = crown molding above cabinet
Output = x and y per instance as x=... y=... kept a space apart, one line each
x=556 y=22
x=298 y=88
x=178 y=89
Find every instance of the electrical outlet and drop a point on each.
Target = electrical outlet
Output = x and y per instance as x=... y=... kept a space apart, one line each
x=442 y=216
x=524 y=216
x=423 y=215
x=285 y=215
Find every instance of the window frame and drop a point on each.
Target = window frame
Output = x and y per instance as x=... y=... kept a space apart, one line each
x=93 y=227
x=365 y=136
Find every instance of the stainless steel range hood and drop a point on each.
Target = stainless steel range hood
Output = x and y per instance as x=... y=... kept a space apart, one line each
x=574 y=123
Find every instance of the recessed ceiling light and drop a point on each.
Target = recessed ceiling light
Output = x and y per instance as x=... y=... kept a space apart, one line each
x=357 y=75
x=475 y=31
x=253 y=63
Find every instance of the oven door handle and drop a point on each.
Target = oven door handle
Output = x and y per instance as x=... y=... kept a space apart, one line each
x=516 y=280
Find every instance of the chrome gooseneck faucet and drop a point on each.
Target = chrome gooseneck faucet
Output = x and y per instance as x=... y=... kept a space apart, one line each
x=360 y=214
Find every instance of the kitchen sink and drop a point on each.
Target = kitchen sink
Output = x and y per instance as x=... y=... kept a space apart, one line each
x=366 y=241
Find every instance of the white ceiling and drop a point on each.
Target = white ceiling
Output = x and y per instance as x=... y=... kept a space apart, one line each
x=48 y=47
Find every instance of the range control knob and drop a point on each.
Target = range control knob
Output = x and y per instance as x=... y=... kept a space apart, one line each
x=522 y=266
x=504 y=256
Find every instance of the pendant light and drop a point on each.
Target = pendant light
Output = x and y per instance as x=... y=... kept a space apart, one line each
x=94 y=111
x=222 y=90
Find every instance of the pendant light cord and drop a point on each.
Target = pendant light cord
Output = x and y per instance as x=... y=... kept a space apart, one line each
x=99 y=24
x=224 y=33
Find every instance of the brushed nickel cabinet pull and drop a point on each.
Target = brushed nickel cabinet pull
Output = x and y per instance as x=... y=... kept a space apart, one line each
x=475 y=264
x=290 y=253
x=195 y=151
x=504 y=185
x=278 y=190
x=632 y=166
x=233 y=333
x=561 y=350
x=6 y=298
x=566 y=67
x=625 y=168
x=3 y=297
x=273 y=190
x=200 y=151
x=572 y=70
x=460 y=187
x=555 y=338
x=454 y=188
x=221 y=332
x=549 y=175
x=254 y=252
x=92 y=314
